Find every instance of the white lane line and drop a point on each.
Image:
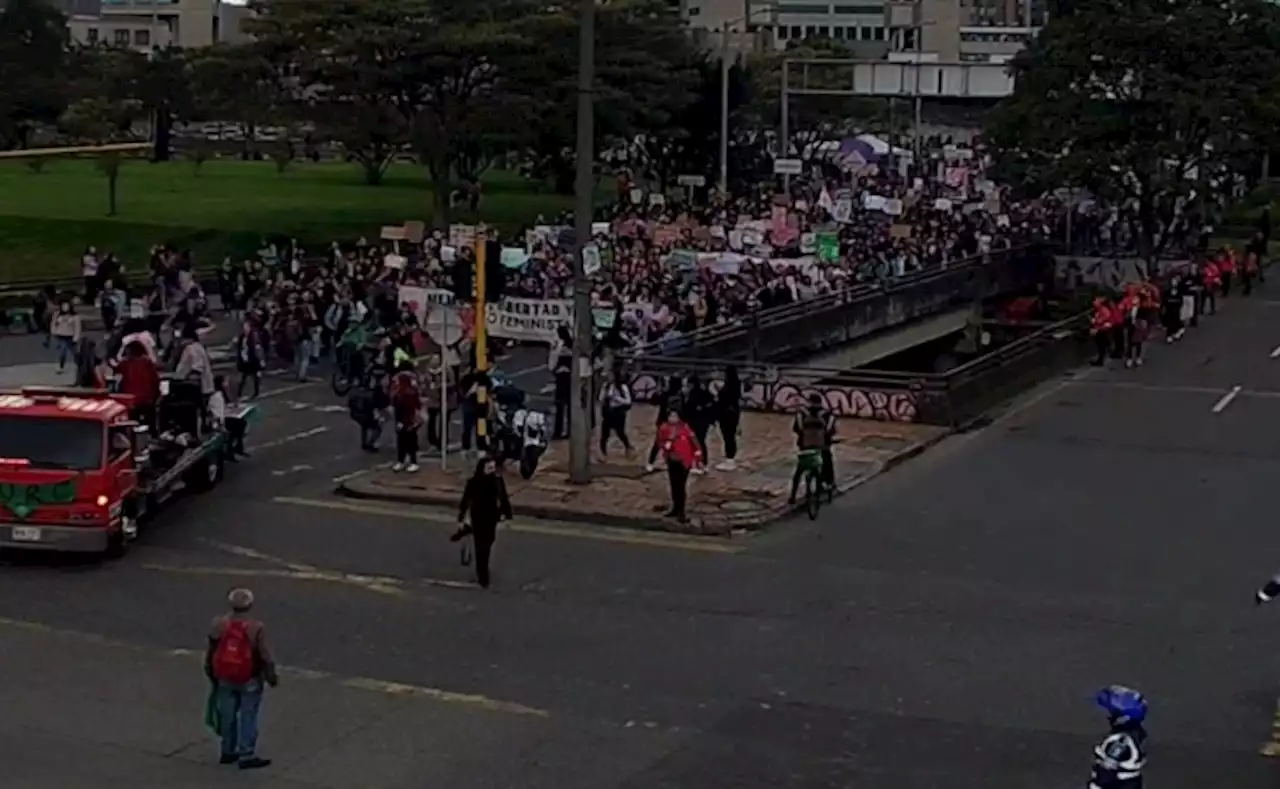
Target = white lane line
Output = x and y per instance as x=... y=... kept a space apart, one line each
x=315 y=431
x=1226 y=400
x=1275 y=353
x=283 y=390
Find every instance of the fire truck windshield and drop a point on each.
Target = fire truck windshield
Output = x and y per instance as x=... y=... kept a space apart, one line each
x=51 y=442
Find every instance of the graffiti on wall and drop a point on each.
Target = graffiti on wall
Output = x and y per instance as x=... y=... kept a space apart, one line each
x=785 y=397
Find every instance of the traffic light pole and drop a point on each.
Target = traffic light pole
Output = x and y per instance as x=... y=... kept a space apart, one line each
x=481 y=348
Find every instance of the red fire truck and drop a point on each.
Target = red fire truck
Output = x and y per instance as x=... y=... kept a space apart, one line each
x=79 y=474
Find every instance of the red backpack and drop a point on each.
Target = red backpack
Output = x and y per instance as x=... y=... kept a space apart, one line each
x=233 y=657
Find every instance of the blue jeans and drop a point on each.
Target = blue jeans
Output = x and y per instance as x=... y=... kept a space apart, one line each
x=66 y=347
x=238 y=707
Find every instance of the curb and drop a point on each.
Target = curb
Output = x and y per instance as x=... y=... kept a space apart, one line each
x=355 y=490
x=722 y=526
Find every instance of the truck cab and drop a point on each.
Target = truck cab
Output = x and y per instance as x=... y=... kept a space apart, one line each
x=67 y=470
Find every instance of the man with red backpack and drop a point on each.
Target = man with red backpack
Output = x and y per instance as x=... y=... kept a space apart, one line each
x=239 y=664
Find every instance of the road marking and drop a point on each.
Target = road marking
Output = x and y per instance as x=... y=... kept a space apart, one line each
x=679 y=542
x=289 y=439
x=1275 y=352
x=449 y=697
x=282 y=472
x=1226 y=400
x=1177 y=389
x=378 y=584
x=308 y=572
x=369 y=684
x=284 y=390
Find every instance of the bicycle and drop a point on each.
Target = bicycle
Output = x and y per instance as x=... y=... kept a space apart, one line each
x=810 y=467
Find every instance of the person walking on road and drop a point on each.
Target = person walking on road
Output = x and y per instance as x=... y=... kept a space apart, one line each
x=485 y=498
x=240 y=665
x=66 y=329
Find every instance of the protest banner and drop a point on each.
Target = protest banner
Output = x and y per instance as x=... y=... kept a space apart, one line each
x=528 y=320
x=513 y=257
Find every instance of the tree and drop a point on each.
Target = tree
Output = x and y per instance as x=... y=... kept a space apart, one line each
x=104 y=107
x=239 y=84
x=32 y=68
x=1146 y=113
x=646 y=76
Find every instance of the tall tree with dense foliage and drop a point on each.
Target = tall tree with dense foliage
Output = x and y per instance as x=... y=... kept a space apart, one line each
x=33 y=55
x=647 y=73
x=1144 y=103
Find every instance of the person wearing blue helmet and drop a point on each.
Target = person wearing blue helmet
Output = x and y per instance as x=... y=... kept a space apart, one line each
x=1119 y=759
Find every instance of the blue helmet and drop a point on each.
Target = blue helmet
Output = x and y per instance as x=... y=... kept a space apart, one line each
x=1123 y=704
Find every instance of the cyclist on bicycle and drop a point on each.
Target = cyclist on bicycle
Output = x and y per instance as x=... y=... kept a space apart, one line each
x=815 y=429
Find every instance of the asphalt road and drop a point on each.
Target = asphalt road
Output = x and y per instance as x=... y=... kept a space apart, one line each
x=944 y=627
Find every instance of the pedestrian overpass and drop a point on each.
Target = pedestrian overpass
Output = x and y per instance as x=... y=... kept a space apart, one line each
x=837 y=77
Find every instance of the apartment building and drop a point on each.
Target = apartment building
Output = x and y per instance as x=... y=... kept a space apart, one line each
x=144 y=24
x=946 y=31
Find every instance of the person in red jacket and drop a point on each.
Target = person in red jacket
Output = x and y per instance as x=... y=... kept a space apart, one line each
x=1101 y=326
x=140 y=380
x=680 y=447
x=1227 y=265
x=406 y=406
x=1211 y=282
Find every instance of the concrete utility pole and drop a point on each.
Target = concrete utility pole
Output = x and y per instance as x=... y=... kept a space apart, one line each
x=584 y=187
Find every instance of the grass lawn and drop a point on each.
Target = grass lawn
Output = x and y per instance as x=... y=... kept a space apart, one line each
x=48 y=218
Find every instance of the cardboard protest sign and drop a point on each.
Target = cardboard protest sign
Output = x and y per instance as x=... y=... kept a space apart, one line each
x=900 y=231
x=513 y=257
x=462 y=236
x=415 y=231
x=392 y=233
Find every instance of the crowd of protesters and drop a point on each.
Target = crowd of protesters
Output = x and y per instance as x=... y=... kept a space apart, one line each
x=1122 y=323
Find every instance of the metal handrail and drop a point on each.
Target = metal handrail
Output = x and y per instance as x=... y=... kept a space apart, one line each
x=786 y=313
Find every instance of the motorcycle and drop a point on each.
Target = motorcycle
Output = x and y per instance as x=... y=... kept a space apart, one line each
x=521 y=434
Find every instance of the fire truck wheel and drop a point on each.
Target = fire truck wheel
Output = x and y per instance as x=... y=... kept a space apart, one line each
x=206 y=474
x=117 y=544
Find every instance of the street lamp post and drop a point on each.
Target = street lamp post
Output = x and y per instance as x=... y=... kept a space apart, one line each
x=725 y=51
x=580 y=375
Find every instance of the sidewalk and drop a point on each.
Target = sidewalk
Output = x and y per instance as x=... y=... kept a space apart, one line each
x=621 y=493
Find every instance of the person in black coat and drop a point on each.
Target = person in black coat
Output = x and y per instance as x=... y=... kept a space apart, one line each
x=729 y=415
x=700 y=412
x=485 y=497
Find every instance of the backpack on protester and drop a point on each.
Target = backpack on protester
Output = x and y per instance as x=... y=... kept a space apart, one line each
x=234 y=659
x=813 y=431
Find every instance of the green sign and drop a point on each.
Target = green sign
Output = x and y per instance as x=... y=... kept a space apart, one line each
x=22 y=500
x=828 y=247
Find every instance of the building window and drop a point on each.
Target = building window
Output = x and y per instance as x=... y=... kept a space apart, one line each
x=805 y=9
x=839 y=31
x=824 y=31
x=142 y=38
x=864 y=33
x=809 y=31
x=795 y=32
x=909 y=39
x=121 y=38
x=782 y=32
x=695 y=10
x=869 y=10
x=877 y=34
x=91 y=35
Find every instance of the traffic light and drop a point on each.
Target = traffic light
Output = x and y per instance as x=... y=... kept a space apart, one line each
x=495 y=274
x=462 y=279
